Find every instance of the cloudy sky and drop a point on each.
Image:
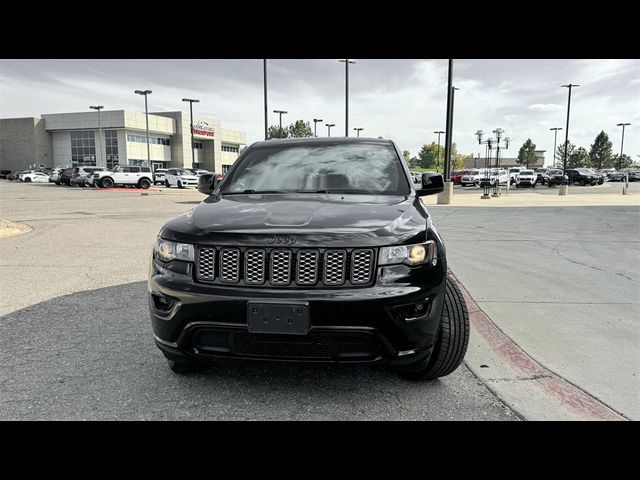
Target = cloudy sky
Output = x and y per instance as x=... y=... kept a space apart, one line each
x=403 y=100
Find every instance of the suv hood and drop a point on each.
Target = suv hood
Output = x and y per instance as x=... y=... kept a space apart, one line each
x=302 y=220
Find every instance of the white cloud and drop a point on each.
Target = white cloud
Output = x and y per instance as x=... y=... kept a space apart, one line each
x=545 y=107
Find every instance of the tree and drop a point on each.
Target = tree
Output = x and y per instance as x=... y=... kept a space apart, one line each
x=428 y=155
x=406 y=154
x=414 y=162
x=458 y=161
x=560 y=153
x=300 y=128
x=579 y=158
x=626 y=161
x=527 y=153
x=276 y=132
x=600 y=153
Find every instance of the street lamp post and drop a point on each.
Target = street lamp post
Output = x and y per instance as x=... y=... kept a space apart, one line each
x=439 y=132
x=563 y=191
x=329 y=125
x=621 y=143
x=193 y=149
x=346 y=96
x=266 y=114
x=358 y=129
x=146 y=114
x=98 y=108
x=555 y=141
x=315 y=123
x=280 y=112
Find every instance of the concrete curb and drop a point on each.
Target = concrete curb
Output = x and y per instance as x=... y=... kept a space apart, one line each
x=527 y=387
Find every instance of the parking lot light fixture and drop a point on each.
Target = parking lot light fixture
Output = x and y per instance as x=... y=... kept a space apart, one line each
x=566 y=139
x=329 y=125
x=280 y=112
x=146 y=93
x=193 y=151
x=622 y=143
x=98 y=108
x=346 y=96
x=555 y=141
x=315 y=123
x=358 y=129
x=439 y=132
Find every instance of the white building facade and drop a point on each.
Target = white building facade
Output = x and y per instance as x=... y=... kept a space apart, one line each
x=119 y=138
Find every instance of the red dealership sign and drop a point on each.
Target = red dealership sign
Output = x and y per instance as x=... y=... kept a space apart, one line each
x=202 y=128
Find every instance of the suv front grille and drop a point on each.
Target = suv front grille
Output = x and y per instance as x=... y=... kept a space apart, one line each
x=286 y=267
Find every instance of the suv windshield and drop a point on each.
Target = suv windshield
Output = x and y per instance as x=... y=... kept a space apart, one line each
x=360 y=168
x=183 y=172
x=526 y=172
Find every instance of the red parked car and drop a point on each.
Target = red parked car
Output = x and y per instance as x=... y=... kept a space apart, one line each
x=456 y=176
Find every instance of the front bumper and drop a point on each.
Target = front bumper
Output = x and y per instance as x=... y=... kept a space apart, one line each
x=371 y=325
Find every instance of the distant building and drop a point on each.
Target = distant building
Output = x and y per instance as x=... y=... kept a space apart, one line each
x=72 y=139
x=505 y=162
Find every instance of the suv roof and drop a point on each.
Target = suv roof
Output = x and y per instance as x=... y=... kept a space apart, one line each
x=318 y=141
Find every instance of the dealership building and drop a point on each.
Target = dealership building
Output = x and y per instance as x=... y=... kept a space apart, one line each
x=118 y=137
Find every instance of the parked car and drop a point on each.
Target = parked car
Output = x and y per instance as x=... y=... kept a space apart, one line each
x=35 y=177
x=159 y=176
x=262 y=269
x=4 y=173
x=79 y=175
x=456 y=177
x=541 y=175
x=416 y=177
x=472 y=178
x=513 y=174
x=581 y=176
x=554 y=176
x=65 y=176
x=129 y=176
x=54 y=175
x=180 y=177
x=597 y=175
x=200 y=172
x=13 y=175
x=526 y=178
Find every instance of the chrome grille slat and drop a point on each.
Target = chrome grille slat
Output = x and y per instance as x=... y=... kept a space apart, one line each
x=230 y=265
x=334 y=267
x=280 y=267
x=206 y=264
x=254 y=266
x=286 y=266
x=361 y=266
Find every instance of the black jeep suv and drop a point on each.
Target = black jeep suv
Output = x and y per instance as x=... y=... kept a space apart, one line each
x=310 y=250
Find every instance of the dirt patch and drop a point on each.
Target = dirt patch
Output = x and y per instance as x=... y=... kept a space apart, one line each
x=8 y=229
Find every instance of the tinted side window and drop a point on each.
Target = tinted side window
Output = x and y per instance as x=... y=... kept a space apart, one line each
x=135 y=169
x=145 y=169
x=125 y=169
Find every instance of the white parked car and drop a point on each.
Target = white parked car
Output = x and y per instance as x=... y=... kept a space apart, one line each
x=500 y=175
x=474 y=177
x=526 y=178
x=513 y=173
x=159 y=176
x=180 y=177
x=54 y=176
x=201 y=172
x=35 y=177
x=124 y=175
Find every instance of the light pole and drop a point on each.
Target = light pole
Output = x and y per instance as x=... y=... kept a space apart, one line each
x=555 y=140
x=266 y=114
x=146 y=114
x=280 y=112
x=346 y=95
x=98 y=108
x=563 y=191
x=358 y=129
x=315 y=123
x=329 y=125
x=447 y=137
x=193 y=150
x=622 y=143
x=439 y=132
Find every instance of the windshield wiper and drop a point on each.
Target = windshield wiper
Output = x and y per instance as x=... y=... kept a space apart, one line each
x=252 y=192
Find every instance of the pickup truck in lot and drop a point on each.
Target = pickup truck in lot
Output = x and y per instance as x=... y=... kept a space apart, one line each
x=140 y=177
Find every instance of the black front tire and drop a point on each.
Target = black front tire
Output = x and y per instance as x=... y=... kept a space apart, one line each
x=452 y=341
x=107 y=183
x=144 y=184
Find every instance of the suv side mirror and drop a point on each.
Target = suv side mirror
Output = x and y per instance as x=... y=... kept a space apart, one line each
x=207 y=183
x=432 y=183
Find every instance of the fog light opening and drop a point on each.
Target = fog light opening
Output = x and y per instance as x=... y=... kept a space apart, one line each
x=163 y=303
x=414 y=311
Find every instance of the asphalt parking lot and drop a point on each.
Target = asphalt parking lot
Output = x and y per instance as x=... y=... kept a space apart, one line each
x=77 y=341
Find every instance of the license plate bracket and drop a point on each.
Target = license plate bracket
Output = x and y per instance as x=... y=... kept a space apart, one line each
x=278 y=317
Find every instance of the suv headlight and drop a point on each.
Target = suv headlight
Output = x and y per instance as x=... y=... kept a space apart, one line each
x=411 y=255
x=166 y=250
